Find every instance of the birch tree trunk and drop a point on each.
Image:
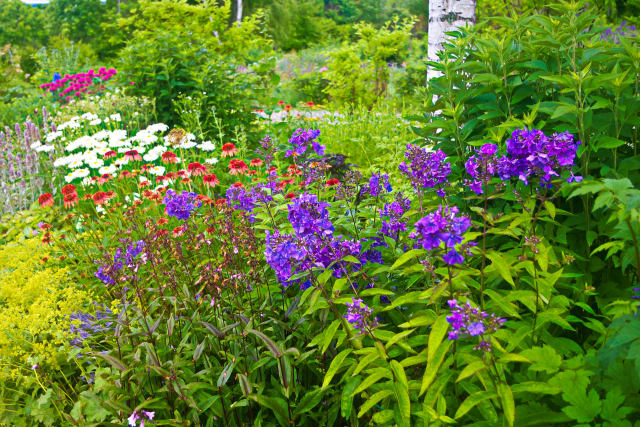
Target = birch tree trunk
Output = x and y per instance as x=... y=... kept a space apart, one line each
x=239 y=11
x=444 y=16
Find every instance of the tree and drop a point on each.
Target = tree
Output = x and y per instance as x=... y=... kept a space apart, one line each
x=445 y=16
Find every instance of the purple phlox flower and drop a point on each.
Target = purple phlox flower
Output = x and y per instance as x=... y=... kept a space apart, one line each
x=359 y=315
x=469 y=321
x=139 y=415
x=391 y=216
x=309 y=216
x=377 y=183
x=267 y=150
x=181 y=205
x=442 y=227
x=532 y=154
x=426 y=169
x=301 y=139
x=482 y=166
x=284 y=253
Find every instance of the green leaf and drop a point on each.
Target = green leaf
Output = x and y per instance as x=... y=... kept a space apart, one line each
x=329 y=333
x=405 y=257
x=508 y=404
x=276 y=404
x=535 y=387
x=397 y=337
x=399 y=374
x=437 y=334
x=501 y=266
x=471 y=369
x=543 y=358
x=116 y=363
x=432 y=367
x=336 y=364
x=374 y=377
x=551 y=208
x=273 y=347
x=346 y=400
x=374 y=355
x=372 y=400
x=404 y=402
x=585 y=409
x=473 y=400
x=308 y=402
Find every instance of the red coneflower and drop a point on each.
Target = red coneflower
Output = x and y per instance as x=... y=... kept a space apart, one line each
x=87 y=196
x=133 y=155
x=143 y=184
x=221 y=202
x=100 y=198
x=237 y=167
x=281 y=103
x=169 y=157
x=197 y=169
x=211 y=180
x=228 y=150
x=45 y=226
x=171 y=175
x=46 y=200
x=178 y=231
x=162 y=221
x=332 y=182
x=104 y=179
x=68 y=189
x=310 y=104
x=182 y=173
x=290 y=196
x=125 y=174
x=238 y=185
x=109 y=154
x=287 y=108
x=256 y=162
x=186 y=180
x=272 y=169
x=70 y=199
x=162 y=178
x=253 y=172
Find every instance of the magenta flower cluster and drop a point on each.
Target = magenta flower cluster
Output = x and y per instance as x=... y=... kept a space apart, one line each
x=442 y=227
x=309 y=216
x=469 y=321
x=377 y=183
x=181 y=205
x=75 y=85
x=391 y=216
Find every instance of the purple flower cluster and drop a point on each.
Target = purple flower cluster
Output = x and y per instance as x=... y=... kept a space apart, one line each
x=107 y=272
x=377 y=183
x=468 y=321
x=285 y=254
x=623 y=30
x=267 y=150
x=426 y=169
x=139 y=415
x=532 y=154
x=359 y=315
x=309 y=216
x=442 y=226
x=301 y=139
x=391 y=216
x=84 y=325
x=482 y=167
x=181 y=205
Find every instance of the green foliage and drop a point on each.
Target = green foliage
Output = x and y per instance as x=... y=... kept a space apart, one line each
x=23 y=25
x=296 y=24
x=228 y=70
x=359 y=73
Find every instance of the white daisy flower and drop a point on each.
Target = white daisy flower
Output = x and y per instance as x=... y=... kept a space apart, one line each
x=75 y=164
x=156 y=170
x=188 y=144
x=207 y=146
x=95 y=163
x=212 y=161
x=150 y=157
x=111 y=169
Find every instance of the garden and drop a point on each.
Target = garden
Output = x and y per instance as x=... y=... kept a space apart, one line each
x=315 y=213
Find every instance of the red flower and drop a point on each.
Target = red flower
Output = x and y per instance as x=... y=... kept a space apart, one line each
x=45 y=200
x=143 y=184
x=171 y=175
x=196 y=169
x=332 y=182
x=221 y=202
x=272 y=169
x=68 y=189
x=133 y=155
x=162 y=221
x=186 y=180
x=256 y=162
x=169 y=157
x=237 y=167
x=104 y=178
x=290 y=196
x=182 y=173
x=287 y=108
x=229 y=150
x=310 y=104
x=45 y=226
x=210 y=180
x=238 y=185
x=109 y=154
x=178 y=231
x=125 y=174
x=281 y=103
x=70 y=199
x=100 y=198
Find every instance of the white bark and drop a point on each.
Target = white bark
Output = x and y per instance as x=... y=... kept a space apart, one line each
x=445 y=16
x=239 y=12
